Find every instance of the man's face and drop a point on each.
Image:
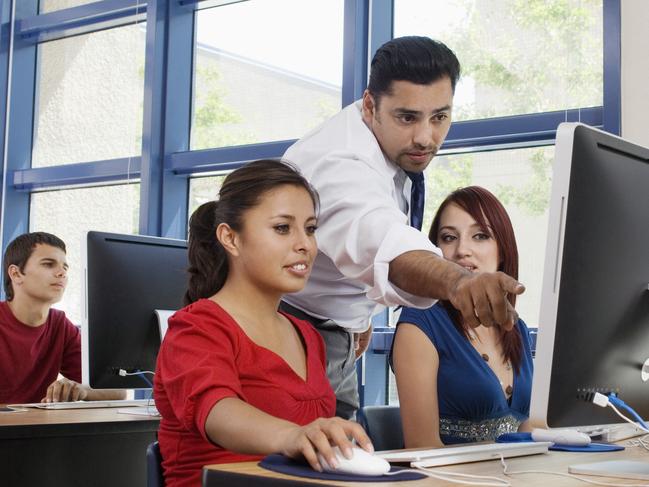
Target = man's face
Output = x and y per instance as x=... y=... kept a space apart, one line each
x=45 y=275
x=411 y=121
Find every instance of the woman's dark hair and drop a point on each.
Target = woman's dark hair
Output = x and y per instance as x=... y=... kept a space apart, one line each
x=491 y=216
x=21 y=249
x=241 y=191
x=417 y=59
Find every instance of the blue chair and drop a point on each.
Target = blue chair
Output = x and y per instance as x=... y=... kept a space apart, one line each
x=383 y=426
x=154 y=476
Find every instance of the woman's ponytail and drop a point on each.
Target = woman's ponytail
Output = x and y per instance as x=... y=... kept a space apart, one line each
x=208 y=263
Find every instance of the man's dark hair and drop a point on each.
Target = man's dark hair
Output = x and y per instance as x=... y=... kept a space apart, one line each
x=417 y=59
x=21 y=249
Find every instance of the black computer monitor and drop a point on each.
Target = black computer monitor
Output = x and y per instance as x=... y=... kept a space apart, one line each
x=594 y=320
x=127 y=277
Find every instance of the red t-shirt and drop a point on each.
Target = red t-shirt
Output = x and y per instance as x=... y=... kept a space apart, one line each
x=32 y=357
x=206 y=357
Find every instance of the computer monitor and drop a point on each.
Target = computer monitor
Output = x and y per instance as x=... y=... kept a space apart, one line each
x=594 y=320
x=127 y=277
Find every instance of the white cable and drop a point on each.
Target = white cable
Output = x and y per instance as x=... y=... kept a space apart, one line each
x=448 y=477
x=123 y=372
x=639 y=443
x=602 y=401
x=151 y=409
x=561 y=474
x=629 y=420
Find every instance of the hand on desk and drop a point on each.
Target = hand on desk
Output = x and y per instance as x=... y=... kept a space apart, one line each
x=63 y=389
x=320 y=435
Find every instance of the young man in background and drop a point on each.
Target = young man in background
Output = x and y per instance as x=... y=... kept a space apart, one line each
x=37 y=342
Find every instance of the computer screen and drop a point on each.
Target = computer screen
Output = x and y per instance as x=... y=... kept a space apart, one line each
x=594 y=320
x=127 y=278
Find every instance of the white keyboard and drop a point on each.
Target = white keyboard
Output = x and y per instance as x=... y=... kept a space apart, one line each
x=87 y=404
x=464 y=454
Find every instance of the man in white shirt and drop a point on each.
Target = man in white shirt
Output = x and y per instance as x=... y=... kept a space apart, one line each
x=361 y=162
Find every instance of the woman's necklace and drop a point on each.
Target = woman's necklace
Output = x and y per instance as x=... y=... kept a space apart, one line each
x=508 y=365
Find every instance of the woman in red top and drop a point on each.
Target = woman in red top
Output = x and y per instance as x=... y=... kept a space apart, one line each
x=235 y=378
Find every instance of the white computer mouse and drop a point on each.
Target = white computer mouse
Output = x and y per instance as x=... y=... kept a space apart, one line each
x=361 y=463
x=561 y=436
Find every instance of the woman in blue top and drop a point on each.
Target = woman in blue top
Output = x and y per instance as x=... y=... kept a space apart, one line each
x=458 y=384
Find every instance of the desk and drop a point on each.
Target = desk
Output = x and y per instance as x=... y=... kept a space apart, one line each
x=74 y=447
x=248 y=473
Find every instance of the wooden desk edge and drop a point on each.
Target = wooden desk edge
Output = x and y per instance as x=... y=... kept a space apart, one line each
x=42 y=422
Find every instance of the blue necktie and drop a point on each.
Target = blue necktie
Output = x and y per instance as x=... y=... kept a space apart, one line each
x=417 y=197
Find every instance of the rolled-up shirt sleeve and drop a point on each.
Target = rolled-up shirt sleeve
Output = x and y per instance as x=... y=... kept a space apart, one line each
x=362 y=229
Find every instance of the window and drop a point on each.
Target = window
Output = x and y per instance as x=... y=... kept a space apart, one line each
x=202 y=190
x=517 y=56
x=70 y=213
x=265 y=70
x=546 y=56
x=52 y=5
x=522 y=60
x=89 y=97
x=240 y=80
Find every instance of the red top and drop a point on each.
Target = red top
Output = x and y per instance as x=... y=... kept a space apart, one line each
x=31 y=357
x=206 y=357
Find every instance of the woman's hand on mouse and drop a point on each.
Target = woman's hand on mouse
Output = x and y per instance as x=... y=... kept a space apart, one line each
x=319 y=436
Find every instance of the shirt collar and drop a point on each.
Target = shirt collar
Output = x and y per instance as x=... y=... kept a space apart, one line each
x=390 y=167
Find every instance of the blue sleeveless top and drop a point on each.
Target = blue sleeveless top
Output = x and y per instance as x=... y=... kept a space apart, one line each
x=472 y=404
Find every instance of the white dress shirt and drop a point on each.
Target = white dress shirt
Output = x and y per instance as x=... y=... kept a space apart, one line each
x=362 y=223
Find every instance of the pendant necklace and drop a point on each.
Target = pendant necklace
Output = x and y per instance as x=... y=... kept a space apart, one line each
x=508 y=365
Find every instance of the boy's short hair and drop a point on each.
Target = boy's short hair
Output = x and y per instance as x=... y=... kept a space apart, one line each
x=21 y=249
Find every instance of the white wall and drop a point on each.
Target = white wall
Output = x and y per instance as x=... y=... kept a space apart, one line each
x=635 y=71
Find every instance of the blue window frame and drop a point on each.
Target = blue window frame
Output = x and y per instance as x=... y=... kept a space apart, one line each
x=165 y=162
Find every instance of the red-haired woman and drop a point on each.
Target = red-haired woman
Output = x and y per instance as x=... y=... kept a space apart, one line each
x=459 y=384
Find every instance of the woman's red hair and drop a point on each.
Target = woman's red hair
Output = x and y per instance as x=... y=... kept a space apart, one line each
x=493 y=219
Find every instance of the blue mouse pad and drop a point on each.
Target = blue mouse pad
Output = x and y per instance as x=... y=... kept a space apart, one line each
x=288 y=466
x=593 y=447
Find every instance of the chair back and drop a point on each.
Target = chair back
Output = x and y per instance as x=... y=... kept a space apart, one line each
x=383 y=426
x=154 y=476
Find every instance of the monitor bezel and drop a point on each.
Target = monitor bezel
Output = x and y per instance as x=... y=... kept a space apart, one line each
x=551 y=288
x=129 y=382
